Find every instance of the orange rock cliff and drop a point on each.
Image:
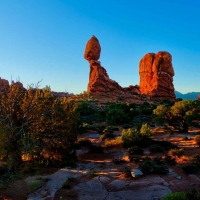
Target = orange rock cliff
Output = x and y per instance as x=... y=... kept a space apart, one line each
x=155 y=70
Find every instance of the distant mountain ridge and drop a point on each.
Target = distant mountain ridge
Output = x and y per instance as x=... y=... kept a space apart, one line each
x=187 y=96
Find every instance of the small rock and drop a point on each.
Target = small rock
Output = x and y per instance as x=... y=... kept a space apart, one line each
x=179 y=177
x=136 y=173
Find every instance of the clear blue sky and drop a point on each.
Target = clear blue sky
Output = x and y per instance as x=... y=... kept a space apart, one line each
x=45 y=40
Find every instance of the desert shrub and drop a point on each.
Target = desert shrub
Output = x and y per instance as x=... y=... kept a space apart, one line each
x=176 y=196
x=176 y=152
x=165 y=144
x=107 y=135
x=158 y=160
x=147 y=167
x=185 y=138
x=145 y=130
x=95 y=149
x=132 y=137
x=153 y=166
x=117 y=142
x=84 y=142
x=190 y=168
x=160 y=169
x=196 y=159
x=156 y=148
x=134 y=150
x=197 y=139
x=116 y=117
x=126 y=171
x=38 y=127
x=134 y=158
x=193 y=194
x=169 y=160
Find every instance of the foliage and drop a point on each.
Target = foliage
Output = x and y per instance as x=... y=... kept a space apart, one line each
x=176 y=152
x=145 y=130
x=117 y=142
x=126 y=171
x=36 y=129
x=197 y=139
x=190 y=168
x=153 y=166
x=107 y=135
x=34 y=184
x=176 y=196
x=156 y=148
x=167 y=145
x=180 y=115
x=132 y=137
x=134 y=150
x=169 y=160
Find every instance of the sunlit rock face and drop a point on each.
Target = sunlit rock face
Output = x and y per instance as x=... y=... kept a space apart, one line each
x=99 y=81
x=156 y=76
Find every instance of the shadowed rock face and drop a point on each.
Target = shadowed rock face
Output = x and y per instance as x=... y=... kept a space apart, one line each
x=156 y=76
x=93 y=49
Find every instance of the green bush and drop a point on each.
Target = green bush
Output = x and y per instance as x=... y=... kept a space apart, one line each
x=131 y=137
x=169 y=160
x=176 y=152
x=126 y=171
x=107 y=135
x=156 y=148
x=165 y=144
x=134 y=150
x=193 y=194
x=134 y=158
x=191 y=168
x=176 y=196
x=153 y=166
x=37 y=125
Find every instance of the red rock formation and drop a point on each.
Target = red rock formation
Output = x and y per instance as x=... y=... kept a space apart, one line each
x=156 y=76
x=4 y=84
x=99 y=81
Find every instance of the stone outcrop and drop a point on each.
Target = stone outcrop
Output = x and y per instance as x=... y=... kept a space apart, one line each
x=156 y=76
x=4 y=85
x=99 y=81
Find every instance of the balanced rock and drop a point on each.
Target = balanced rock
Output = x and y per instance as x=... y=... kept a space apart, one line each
x=93 y=49
x=156 y=76
x=99 y=81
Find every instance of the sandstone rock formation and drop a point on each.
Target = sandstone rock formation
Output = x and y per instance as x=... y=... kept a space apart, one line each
x=4 y=85
x=156 y=76
x=99 y=81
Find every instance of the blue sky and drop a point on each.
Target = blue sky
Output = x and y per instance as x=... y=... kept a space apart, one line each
x=45 y=40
